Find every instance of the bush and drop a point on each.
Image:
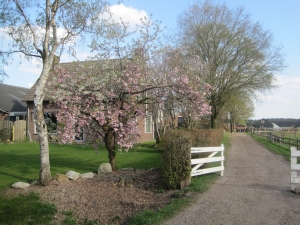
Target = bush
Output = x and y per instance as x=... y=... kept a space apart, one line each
x=5 y=134
x=176 y=161
x=207 y=137
x=176 y=157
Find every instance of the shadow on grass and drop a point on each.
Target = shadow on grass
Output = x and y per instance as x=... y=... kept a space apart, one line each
x=5 y=174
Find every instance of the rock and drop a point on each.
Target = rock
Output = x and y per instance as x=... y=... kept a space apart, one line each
x=20 y=185
x=73 y=175
x=87 y=175
x=104 y=168
x=60 y=177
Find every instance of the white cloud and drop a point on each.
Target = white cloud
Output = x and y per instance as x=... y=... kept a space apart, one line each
x=30 y=69
x=128 y=14
x=288 y=82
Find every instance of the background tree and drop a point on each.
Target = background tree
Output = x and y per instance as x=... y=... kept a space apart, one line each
x=239 y=109
x=41 y=29
x=236 y=54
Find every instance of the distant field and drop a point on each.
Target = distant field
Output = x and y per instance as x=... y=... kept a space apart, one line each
x=288 y=134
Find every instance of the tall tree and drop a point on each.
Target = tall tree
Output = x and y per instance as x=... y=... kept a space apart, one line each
x=236 y=54
x=42 y=29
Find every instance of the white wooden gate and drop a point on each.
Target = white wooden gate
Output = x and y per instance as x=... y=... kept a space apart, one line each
x=295 y=154
x=200 y=161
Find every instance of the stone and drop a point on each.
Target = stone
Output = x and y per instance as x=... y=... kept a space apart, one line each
x=73 y=175
x=20 y=185
x=104 y=168
x=60 y=177
x=87 y=175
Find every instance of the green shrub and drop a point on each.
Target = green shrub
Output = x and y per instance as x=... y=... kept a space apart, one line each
x=176 y=157
x=176 y=161
x=207 y=137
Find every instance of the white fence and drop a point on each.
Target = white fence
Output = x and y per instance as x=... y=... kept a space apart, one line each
x=294 y=168
x=197 y=163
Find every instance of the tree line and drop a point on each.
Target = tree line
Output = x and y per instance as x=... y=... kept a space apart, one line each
x=282 y=122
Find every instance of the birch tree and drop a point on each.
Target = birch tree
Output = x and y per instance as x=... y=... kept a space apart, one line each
x=37 y=29
x=237 y=54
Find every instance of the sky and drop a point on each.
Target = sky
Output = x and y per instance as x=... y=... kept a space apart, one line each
x=281 y=17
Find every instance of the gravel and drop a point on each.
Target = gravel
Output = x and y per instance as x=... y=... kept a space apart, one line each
x=255 y=189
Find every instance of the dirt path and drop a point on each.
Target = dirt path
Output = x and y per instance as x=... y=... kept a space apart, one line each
x=255 y=189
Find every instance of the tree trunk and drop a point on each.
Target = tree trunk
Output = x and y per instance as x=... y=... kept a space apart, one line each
x=156 y=129
x=45 y=173
x=213 y=118
x=109 y=139
x=232 y=125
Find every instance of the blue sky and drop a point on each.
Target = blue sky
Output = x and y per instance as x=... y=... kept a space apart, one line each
x=281 y=17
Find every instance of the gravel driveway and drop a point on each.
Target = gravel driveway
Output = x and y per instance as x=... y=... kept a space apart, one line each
x=255 y=189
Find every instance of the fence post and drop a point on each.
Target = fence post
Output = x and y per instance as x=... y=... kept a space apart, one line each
x=222 y=163
x=294 y=168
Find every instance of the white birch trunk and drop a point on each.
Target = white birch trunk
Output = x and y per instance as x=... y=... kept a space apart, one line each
x=45 y=173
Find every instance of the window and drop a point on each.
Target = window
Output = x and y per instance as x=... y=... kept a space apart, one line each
x=148 y=124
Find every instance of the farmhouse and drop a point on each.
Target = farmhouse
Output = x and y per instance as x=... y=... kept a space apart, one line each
x=145 y=125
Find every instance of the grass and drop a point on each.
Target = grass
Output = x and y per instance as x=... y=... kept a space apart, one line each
x=20 y=162
x=274 y=147
x=33 y=211
x=287 y=134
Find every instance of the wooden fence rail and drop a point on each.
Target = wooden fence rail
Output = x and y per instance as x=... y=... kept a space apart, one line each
x=270 y=136
x=200 y=161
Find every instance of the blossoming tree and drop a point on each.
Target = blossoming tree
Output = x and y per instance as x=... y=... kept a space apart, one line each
x=106 y=98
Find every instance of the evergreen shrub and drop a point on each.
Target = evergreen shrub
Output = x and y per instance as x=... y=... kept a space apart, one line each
x=176 y=157
x=176 y=161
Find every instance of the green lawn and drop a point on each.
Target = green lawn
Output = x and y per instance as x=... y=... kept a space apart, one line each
x=20 y=161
